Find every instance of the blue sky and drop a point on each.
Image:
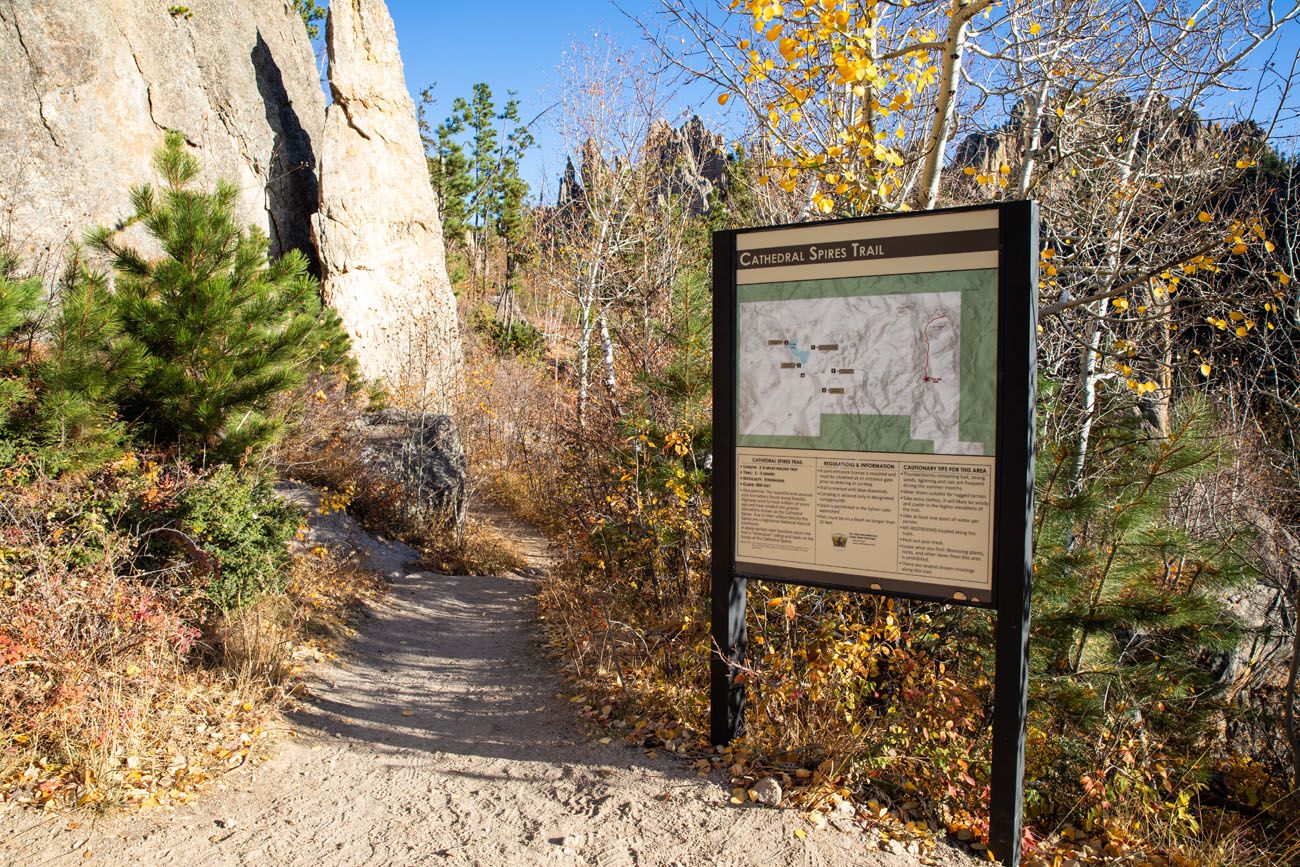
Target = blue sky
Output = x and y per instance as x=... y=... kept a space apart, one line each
x=517 y=45
x=511 y=45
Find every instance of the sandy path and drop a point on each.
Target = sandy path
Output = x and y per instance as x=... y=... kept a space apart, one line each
x=438 y=740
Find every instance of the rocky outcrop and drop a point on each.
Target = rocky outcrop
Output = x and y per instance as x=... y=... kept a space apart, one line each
x=87 y=89
x=422 y=456
x=378 y=232
x=691 y=160
x=687 y=165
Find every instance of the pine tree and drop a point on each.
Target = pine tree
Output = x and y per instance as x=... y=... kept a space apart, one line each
x=20 y=303
x=1129 y=608
x=449 y=172
x=483 y=174
x=219 y=331
x=510 y=214
x=477 y=117
x=311 y=13
x=89 y=362
x=448 y=168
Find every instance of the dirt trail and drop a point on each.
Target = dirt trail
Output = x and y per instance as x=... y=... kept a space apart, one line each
x=438 y=740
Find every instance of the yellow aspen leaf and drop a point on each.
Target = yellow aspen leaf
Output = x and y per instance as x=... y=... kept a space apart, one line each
x=723 y=97
x=968 y=171
x=800 y=833
x=1035 y=28
x=1239 y=247
x=1284 y=279
x=1269 y=246
x=1204 y=217
x=1205 y=370
x=1241 y=331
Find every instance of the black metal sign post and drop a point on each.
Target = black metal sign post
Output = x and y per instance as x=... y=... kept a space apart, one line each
x=1016 y=246
x=726 y=696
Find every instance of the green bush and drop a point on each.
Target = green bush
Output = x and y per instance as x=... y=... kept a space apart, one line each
x=20 y=303
x=518 y=337
x=241 y=532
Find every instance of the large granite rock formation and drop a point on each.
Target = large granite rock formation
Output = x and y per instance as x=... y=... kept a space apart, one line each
x=378 y=232
x=692 y=162
x=689 y=165
x=87 y=89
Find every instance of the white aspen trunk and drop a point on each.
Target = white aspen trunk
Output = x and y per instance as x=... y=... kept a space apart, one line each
x=607 y=353
x=1089 y=376
x=1034 y=139
x=584 y=362
x=945 y=106
x=1088 y=369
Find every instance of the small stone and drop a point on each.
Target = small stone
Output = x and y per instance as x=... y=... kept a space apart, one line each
x=226 y=823
x=893 y=846
x=845 y=808
x=768 y=792
x=573 y=841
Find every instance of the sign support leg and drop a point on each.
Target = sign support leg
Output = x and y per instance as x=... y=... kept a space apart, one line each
x=726 y=696
x=1012 y=680
x=1013 y=546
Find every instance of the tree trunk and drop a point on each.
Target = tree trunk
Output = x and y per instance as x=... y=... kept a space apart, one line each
x=607 y=353
x=945 y=105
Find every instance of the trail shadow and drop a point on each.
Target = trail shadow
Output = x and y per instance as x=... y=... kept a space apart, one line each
x=451 y=664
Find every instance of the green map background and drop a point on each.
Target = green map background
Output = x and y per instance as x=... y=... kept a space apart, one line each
x=892 y=433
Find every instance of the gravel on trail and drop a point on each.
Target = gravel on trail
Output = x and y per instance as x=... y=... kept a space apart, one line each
x=437 y=738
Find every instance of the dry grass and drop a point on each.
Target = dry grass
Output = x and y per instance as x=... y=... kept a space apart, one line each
x=119 y=685
x=481 y=549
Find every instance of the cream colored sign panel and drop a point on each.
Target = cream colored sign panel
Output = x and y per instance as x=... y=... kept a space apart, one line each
x=924 y=519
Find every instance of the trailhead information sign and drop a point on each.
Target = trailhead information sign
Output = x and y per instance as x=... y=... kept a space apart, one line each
x=866 y=403
x=873 y=427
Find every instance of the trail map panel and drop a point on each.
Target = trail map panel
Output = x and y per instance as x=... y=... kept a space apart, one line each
x=866 y=385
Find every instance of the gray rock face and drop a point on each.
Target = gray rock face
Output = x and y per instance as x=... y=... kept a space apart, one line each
x=692 y=161
x=690 y=164
x=88 y=89
x=424 y=456
x=378 y=232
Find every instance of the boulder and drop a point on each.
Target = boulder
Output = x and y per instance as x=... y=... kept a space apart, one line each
x=90 y=88
x=421 y=453
x=378 y=233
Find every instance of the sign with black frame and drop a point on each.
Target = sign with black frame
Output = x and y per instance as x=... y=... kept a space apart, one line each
x=873 y=411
